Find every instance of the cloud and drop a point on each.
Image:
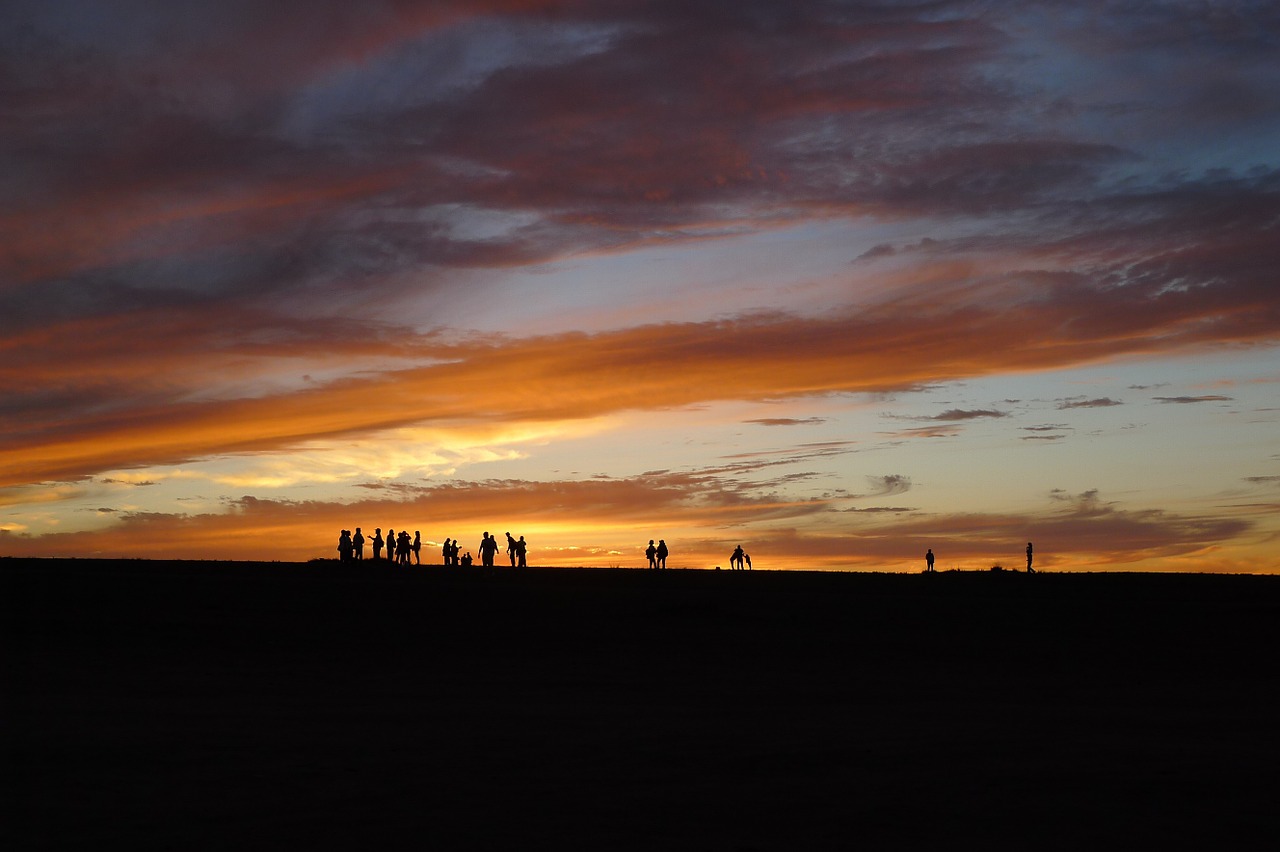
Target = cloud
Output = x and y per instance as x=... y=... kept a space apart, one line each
x=885 y=486
x=139 y=416
x=1188 y=400
x=879 y=509
x=926 y=432
x=881 y=250
x=787 y=421
x=959 y=414
x=1102 y=402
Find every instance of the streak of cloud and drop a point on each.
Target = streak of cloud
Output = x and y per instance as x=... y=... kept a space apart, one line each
x=1191 y=400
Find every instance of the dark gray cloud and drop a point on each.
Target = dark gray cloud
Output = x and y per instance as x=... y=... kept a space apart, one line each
x=885 y=486
x=1190 y=400
x=1102 y=402
x=952 y=415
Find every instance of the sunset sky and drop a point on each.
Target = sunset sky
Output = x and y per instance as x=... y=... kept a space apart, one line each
x=838 y=282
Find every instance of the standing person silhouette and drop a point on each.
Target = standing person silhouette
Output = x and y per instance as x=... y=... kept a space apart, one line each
x=522 y=549
x=357 y=541
x=735 y=559
x=928 y=561
x=377 y=543
x=446 y=553
x=391 y=545
x=403 y=546
x=417 y=547
x=511 y=549
x=1030 y=570
x=661 y=553
x=652 y=553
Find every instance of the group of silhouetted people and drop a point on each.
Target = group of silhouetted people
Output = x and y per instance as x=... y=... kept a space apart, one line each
x=403 y=550
x=657 y=556
x=929 y=559
x=739 y=560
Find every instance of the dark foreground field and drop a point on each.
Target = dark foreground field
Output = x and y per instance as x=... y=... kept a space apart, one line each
x=231 y=706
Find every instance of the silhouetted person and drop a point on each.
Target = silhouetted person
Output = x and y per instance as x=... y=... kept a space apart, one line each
x=344 y=546
x=522 y=550
x=446 y=553
x=1030 y=570
x=377 y=543
x=358 y=542
x=403 y=546
x=417 y=547
x=652 y=553
x=747 y=557
x=454 y=549
x=928 y=561
x=391 y=545
x=661 y=553
x=511 y=549
x=735 y=559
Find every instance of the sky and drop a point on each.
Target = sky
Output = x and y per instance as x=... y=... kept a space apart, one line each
x=836 y=281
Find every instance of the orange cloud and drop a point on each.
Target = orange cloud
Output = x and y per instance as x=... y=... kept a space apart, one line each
x=576 y=376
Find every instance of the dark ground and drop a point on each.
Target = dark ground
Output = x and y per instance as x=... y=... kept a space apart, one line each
x=192 y=705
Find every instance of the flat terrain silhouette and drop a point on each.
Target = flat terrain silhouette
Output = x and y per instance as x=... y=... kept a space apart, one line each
x=202 y=705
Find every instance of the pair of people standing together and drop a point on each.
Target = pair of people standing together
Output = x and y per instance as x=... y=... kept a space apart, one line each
x=657 y=555
x=516 y=551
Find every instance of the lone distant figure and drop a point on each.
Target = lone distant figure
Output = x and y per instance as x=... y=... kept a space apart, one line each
x=1030 y=570
x=928 y=561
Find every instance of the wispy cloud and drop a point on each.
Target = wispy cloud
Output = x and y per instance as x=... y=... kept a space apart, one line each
x=959 y=414
x=787 y=421
x=1188 y=400
x=1101 y=402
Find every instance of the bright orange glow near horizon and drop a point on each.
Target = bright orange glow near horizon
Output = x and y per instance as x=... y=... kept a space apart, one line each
x=840 y=285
